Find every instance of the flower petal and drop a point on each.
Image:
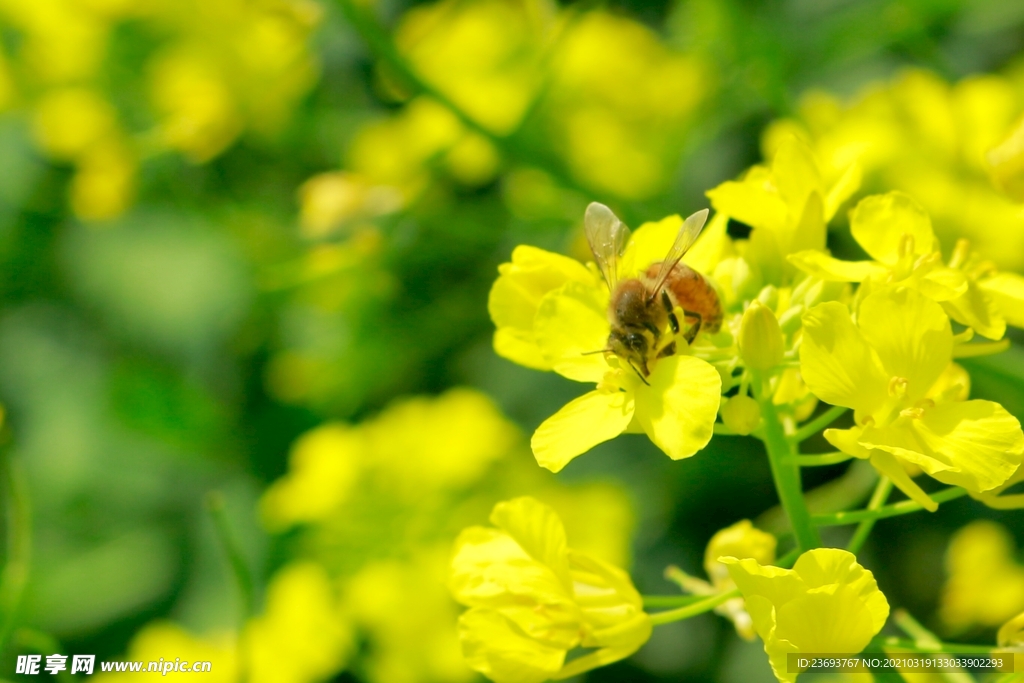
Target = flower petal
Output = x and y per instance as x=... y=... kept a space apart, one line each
x=498 y=650
x=818 y=263
x=1007 y=291
x=517 y=292
x=538 y=530
x=848 y=441
x=887 y=464
x=678 y=408
x=753 y=200
x=880 y=221
x=837 y=364
x=940 y=284
x=488 y=567
x=795 y=173
x=982 y=439
x=580 y=425
x=569 y=327
x=976 y=309
x=911 y=335
x=843 y=189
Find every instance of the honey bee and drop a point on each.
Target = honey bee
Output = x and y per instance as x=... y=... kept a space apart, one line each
x=641 y=309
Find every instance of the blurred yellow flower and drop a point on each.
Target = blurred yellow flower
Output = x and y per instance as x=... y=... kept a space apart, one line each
x=402 y=605
x=533 y=599
x=985 y=584
x=324 y=465
x=302 y=636
x=168 y=641
x=330 y=201
x=826 y=603
x=931 y=139
x=505 y=38
x=198 y=114
x=104 y=183
x=620 y=102
x=68 y=121
x=419 y=444
x=395 y=151
x=884 y=366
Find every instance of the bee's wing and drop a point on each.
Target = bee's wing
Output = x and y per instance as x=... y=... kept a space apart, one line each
x=607 y=236
x=684 y=240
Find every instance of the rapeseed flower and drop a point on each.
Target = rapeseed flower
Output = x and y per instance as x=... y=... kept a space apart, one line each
x=826 y=603
x=551 y=313
x=303 y=635
x=533 y=599
x=741 y=541
x=943 y=143
x=985 y=584
x=897 y=234
x=887 y=366
x=788 y=206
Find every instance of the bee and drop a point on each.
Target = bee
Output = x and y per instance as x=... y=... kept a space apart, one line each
x=641 y=309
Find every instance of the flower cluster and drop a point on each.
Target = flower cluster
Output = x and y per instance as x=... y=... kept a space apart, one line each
x=799 y=327
x=368 y=513
x=205 y=84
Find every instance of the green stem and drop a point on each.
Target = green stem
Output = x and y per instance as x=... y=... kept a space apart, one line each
x=785 y=471
x=817 y=424
x=700 y=607
x=820 y=460
x=878 y=498
x=239 y=568
x=894 y=510
x=671 y=600
x=18 y=513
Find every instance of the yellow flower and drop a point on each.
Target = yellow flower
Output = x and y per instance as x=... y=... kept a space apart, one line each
x=985 y=585
x=170 y=642
x=788 y=206
x=533 y=599
x=506 y=39
x=885 y=367
x=931 y=139
x=517 y=293
x=417 y=445
x=826 y=603
x=619 y=103
x=740 y=541
x=302 y=636
x=897 y=233
x=551 y=312
x=408 y=617
x=330 y=201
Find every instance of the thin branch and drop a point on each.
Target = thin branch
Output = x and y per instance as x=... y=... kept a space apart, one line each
x=894 y=510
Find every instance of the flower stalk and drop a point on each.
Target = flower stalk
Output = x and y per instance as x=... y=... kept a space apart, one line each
x=785 y=471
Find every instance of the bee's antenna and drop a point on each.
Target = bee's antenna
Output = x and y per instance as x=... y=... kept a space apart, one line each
x=591 y=353
x=639 y=374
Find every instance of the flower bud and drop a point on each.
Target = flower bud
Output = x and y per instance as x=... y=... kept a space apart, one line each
x=741 y=414
x=761 y=342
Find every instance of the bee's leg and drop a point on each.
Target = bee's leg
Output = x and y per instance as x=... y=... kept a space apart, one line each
x=669 y=349
x=691 y=333
x=672 y=319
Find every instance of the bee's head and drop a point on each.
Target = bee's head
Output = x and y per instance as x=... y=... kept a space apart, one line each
x=632 y=346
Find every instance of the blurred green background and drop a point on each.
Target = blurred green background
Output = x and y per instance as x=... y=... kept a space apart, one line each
x=226 y=222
